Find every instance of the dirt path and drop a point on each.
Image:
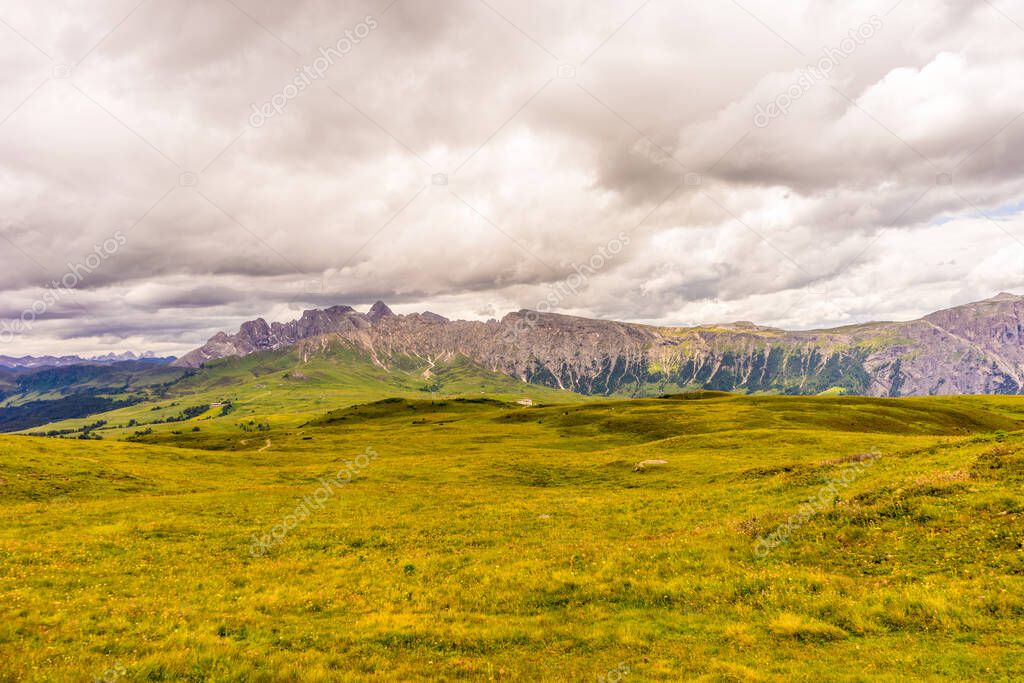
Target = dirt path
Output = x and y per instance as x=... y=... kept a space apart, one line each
x=265 y=446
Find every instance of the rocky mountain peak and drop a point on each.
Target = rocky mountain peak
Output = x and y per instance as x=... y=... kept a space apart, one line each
x=254 y=329
x=974 y=348
x=379 y=311
x=433 y=317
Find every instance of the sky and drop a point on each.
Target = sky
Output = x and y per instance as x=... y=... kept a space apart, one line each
x=171 y=168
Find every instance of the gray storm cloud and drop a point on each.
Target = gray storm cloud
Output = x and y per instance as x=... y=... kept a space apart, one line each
x=467 y=156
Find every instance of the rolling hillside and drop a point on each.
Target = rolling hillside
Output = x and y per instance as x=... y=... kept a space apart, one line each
x=291 y=386
x=773 y=539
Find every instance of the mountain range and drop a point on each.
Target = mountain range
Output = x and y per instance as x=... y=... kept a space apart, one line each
x=976 y=348
x=31 y=362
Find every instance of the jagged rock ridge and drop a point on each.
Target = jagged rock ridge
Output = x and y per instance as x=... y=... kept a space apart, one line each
x=976 y=348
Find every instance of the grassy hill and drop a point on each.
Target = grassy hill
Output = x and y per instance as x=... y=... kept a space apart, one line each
x=30 y=398
x=783 y=538
x=284 y=388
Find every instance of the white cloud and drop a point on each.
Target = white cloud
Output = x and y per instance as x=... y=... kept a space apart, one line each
x=831 y=214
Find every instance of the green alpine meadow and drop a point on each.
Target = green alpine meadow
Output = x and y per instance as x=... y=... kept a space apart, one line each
x=267 y=520
x=588 y=341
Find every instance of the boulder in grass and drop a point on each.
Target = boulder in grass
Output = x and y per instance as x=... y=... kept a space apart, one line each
x=644 y=465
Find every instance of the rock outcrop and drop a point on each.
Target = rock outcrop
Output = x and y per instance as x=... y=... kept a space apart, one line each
x=976 y=348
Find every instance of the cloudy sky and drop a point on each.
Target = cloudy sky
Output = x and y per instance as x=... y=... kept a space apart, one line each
x=169 y=168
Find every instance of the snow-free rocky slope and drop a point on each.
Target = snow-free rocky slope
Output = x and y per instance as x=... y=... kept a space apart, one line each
x=972 y=349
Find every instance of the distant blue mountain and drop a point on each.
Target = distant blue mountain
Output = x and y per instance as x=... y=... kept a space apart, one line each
x=24 y=362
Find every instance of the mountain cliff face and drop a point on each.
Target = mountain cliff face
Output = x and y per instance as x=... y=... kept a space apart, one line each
x=972 y=349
